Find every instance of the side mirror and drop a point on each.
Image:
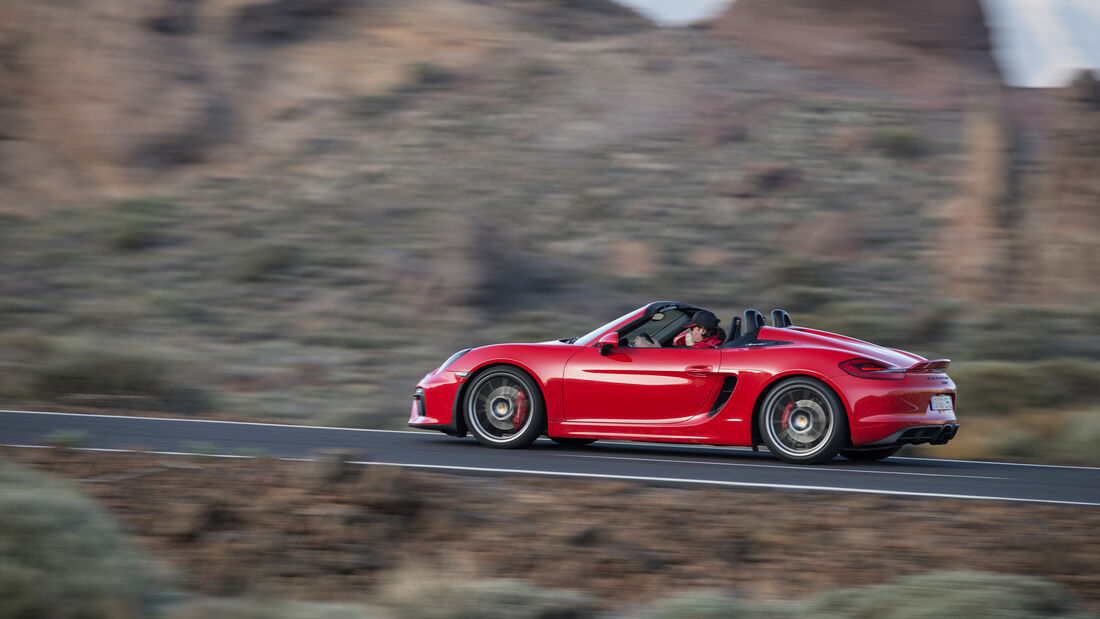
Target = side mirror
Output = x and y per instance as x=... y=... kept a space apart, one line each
x=608 y=342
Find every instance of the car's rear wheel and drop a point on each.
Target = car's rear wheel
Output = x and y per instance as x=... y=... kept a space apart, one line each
x=504 y=408
x=570 y=441
x=802 y=421
x=870 y=455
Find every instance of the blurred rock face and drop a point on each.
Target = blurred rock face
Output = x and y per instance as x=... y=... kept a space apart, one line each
x=931 y=50
x=1070 y=192
x=117 y=98
x=109 y=96
x=1024 y=225
x=1021 y=225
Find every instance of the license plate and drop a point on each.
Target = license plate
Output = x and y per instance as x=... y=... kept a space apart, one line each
x=941 y=402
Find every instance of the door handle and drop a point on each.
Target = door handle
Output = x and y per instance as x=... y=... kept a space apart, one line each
x=699 y=370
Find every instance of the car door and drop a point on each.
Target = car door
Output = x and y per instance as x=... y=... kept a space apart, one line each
x=639 y=385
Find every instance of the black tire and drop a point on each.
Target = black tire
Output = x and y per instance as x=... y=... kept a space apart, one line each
x=569 y=441
x=802 y=421
x=870 y=455
x=504 y=409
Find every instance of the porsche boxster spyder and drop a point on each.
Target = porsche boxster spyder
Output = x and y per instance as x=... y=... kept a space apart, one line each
x=807 y=395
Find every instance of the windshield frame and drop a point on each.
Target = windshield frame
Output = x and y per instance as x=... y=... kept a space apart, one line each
x=593 y=335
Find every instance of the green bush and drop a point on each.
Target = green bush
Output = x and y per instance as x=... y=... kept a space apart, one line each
x=176 y=306
x=900 y=143
x=99 y=373
x=204 y=608
x=137 y=224
x=1024 y=333
x=715 y=605
x=971 y=594
x=373 y=106
x=995 y=387
x=1069 y=380
x=975 y=595
x=483 y=599
x=264 y=262
x=1079 y=439
x=133 y=233
x=61 y=556
x=429 y=74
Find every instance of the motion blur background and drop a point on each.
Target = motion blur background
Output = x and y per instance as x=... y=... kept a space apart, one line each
x=293 y=209
x=290 y=210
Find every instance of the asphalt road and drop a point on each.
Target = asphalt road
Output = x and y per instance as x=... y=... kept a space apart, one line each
x=645 y=462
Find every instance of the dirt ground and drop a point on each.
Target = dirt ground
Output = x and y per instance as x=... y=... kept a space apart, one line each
x=328 y=530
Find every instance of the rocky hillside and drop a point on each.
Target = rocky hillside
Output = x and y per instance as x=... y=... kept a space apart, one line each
x=292 y=209
x=115 y=97
x=936 y=51
x=272 y=530
x=1018 y=226
x=1068 y=194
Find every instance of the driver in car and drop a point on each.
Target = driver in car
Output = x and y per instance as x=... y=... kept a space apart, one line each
x=703 y=332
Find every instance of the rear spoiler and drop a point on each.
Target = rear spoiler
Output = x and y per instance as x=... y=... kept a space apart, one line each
x=933 y=366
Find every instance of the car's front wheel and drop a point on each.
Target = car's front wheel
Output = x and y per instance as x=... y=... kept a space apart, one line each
x=802 y=421
x=504 y=408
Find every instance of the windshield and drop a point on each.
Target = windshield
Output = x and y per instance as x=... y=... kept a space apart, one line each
x=662 y=326
x=592 y=335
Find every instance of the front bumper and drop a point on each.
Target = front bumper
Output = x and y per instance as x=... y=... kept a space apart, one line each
x=434 y=405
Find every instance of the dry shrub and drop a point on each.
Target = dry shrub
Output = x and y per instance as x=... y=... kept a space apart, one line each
x=970 y=594
x=998 y=387
x=480 y=599
x=901 y=143
x=62 y=556
x=714 y=605
x=103 y=373
x=1078 y=440
x=205 y=608
x=264 y=262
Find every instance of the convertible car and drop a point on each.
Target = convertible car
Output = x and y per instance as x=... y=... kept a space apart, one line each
x=807 y=395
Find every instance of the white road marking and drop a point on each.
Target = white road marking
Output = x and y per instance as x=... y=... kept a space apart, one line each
x=241 y=423
x=1047 y=466
x=435 y=433
x=638 y=478
x=738 y=484
x=808 y=469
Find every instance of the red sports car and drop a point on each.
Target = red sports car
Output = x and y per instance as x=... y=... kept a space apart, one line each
x=807 y=395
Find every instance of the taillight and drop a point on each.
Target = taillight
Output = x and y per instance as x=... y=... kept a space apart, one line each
x=866 y=368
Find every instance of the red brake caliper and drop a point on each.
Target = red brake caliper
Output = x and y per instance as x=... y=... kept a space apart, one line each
x=521 y=410
x=786 y=419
